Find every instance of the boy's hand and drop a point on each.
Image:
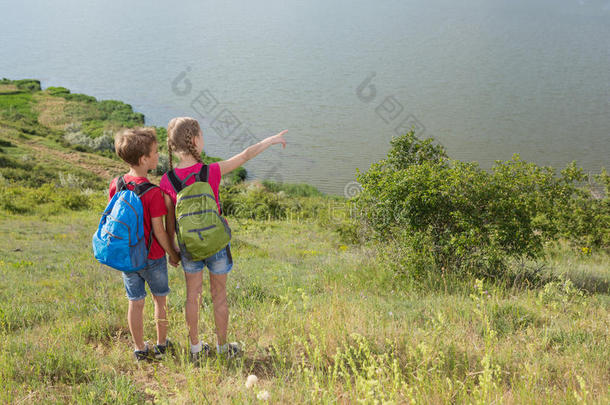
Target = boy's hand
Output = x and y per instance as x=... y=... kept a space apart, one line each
x=174 y=258
x=278 y=138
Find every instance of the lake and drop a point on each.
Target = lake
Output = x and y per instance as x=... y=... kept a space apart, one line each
x=486 y=78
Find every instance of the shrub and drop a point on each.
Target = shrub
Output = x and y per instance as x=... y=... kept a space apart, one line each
x=23 y=84
x=472 y=220
x=162 y=166
x=254 y=201
x=584 y=219
x=292 y=189
x=57 y=91
x=47 y=199
x=75 y=137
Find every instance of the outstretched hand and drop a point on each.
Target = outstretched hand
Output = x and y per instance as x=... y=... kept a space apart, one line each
x=279 y=138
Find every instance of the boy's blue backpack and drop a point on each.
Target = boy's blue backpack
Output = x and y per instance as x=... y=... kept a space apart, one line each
x=119 y=241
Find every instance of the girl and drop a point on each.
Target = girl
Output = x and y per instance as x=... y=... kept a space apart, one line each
x=185 y=139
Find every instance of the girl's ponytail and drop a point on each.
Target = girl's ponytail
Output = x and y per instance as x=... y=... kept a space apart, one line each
x=169 y=154
x=191 y=146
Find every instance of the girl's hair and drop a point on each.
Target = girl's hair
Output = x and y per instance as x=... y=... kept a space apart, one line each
x=181 y=134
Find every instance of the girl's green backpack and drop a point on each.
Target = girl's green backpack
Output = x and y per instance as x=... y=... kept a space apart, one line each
x=199 y=225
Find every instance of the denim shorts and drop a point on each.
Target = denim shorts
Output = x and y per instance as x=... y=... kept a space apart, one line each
x=154 y=274
x=219 y=263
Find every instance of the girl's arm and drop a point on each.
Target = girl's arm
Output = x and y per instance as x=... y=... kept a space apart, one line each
x=227 y=166
x=164 y=241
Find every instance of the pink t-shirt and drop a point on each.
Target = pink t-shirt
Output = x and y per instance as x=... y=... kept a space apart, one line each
x=213 y=178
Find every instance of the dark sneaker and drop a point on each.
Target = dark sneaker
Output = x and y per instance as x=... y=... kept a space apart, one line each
x=197 y=357
x=143 y=355
x=160 y=350
x=230 y=350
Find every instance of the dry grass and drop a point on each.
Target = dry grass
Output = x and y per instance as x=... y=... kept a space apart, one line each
x=8 y=88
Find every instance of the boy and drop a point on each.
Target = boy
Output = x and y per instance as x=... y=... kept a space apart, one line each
x=138 y=148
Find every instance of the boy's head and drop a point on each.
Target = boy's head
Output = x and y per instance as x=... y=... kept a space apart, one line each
x=137 y=147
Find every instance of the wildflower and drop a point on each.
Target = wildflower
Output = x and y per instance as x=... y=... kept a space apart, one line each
x=263 y=395
x=390 y=313
x=251 y=380
x=343 y=247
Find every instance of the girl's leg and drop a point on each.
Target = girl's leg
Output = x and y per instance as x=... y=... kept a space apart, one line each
x=161 y=318
x=194 y=281
x=136 y=322
x=218 y=289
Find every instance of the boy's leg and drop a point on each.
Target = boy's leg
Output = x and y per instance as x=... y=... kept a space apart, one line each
x=194 y=282
x=218 y=289
x=161 y=318
x=155 y=275
x=136 y=322
x=136 y=292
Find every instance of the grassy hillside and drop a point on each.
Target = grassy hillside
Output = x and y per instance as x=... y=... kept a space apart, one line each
x=323 y=317
x=320 y=321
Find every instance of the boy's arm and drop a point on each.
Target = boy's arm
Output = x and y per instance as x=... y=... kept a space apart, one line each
x=163 y=239
x=227 y=166
x=170 y=219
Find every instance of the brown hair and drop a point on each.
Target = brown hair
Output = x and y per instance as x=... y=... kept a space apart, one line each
x=133 y=143
x=181 y=133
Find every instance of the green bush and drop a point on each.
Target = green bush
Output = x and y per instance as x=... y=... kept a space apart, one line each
x=48 y=199
x=104 y=142
x=78 y=97
x=584 y=219
x=473 y=220
x=292 y=189
x=254 y=201
x=57 y=91
x=23 y=84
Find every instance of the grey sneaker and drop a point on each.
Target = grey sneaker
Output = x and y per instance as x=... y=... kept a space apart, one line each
x=197 y=357
x=230 y=350
x=161 y=350
x=143 y=355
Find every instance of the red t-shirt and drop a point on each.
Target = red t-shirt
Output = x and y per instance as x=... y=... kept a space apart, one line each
x=213 y=178
x=154 y=206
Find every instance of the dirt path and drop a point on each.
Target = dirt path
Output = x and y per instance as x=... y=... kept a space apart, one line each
x=99 y=165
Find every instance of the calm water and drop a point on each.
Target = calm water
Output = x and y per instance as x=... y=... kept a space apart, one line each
x=487 y=78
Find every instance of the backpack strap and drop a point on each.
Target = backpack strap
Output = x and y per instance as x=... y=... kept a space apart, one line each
x=143 y=188
x=140 y=190
x=120 y=184
x=178 y=184
x=175 y=181
x=203 y=173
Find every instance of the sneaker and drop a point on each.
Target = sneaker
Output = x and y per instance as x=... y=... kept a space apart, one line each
x=197 y=357
x=160 y=350
x=231 y=350
x=143 y=355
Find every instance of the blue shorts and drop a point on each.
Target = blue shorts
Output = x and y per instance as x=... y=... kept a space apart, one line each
x=219 y=263
x=154 y=274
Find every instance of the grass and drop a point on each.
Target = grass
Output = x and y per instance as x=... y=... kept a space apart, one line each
x=320 y=322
